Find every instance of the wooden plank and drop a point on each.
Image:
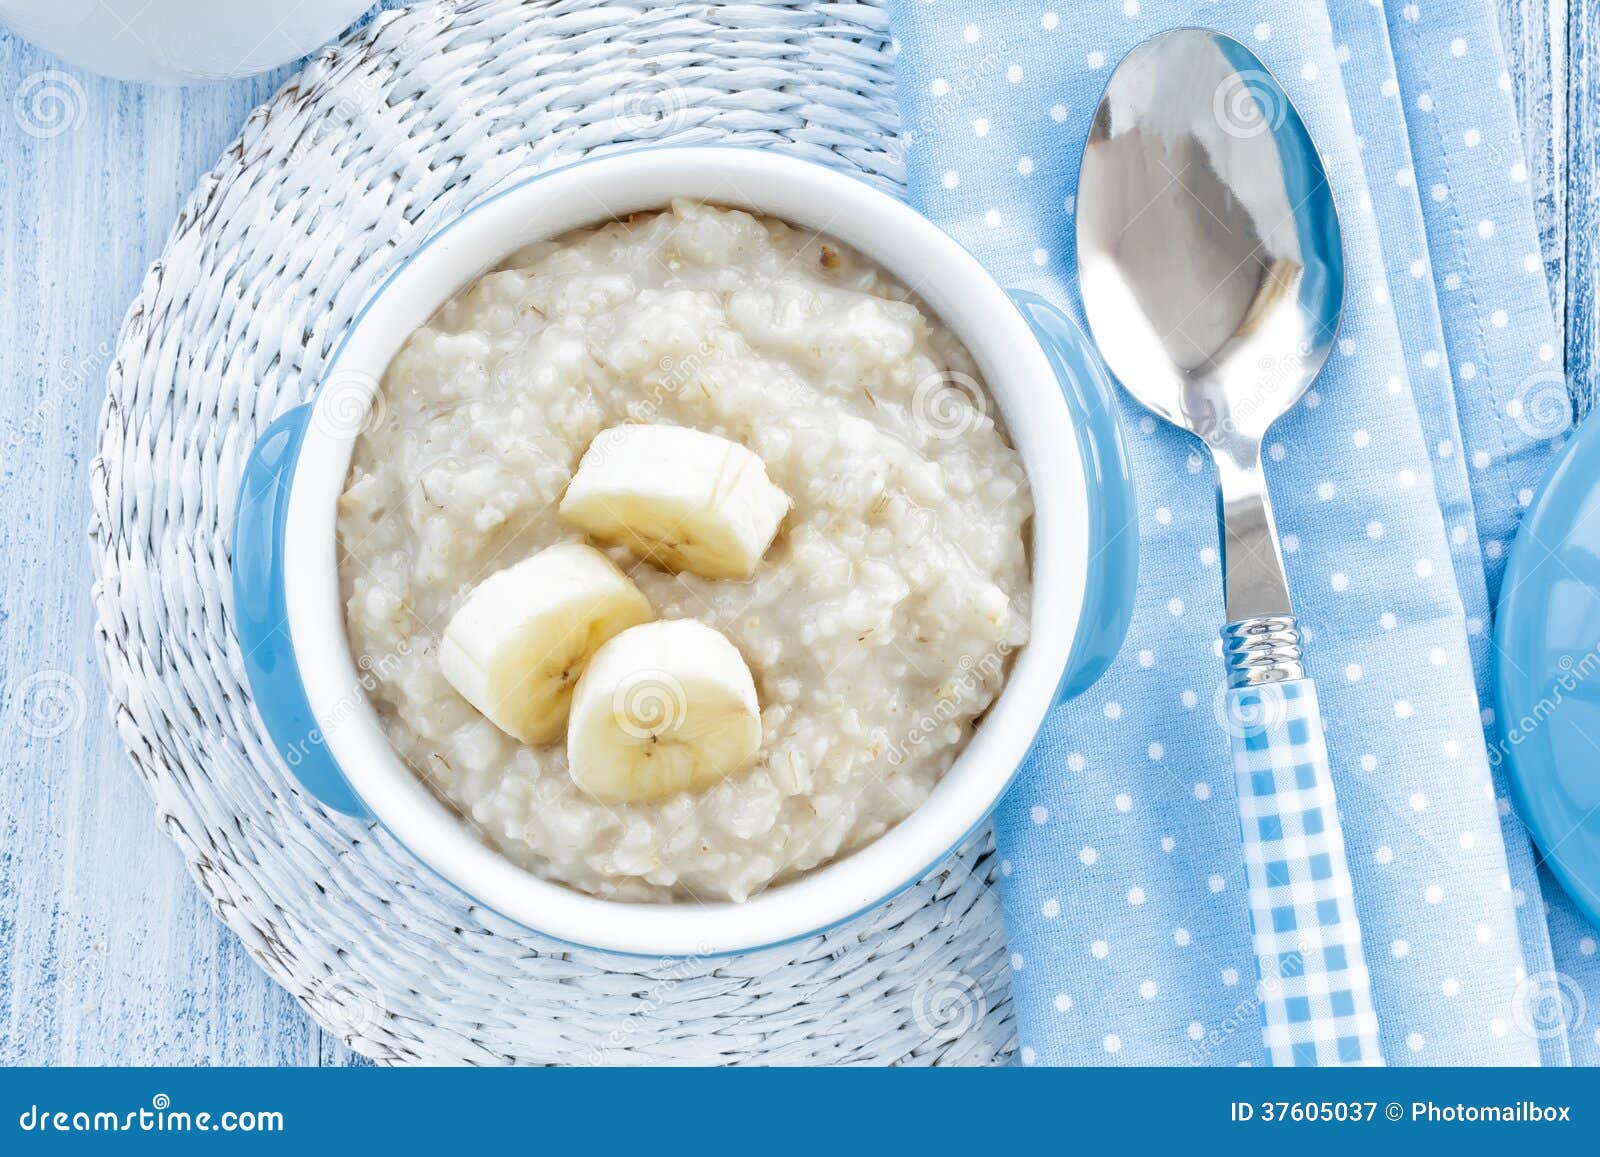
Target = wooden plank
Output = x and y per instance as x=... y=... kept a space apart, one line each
x=1535 y=36
x=1583 y=200
x=108 y=953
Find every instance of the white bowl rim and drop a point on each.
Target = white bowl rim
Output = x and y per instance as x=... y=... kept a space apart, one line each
x=807 y=195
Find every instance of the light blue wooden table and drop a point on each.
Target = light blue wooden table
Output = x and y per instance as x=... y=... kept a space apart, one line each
x=108 y=954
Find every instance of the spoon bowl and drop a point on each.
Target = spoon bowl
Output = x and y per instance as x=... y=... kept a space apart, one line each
x=1208 y=244
x=1210 y=261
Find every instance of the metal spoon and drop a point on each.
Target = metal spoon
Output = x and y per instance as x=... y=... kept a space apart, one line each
x=1212 y=278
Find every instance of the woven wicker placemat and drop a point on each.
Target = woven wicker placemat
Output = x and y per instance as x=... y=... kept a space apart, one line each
x=376 y=143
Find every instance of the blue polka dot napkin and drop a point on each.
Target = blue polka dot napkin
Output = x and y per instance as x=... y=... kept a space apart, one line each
x=1397 y=482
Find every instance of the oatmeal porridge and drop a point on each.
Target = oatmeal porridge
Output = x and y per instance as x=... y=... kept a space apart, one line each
x=851 y=619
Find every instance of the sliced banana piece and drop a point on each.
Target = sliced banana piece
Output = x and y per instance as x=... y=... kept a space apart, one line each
x=516 y=647
x=682 y=499
x=662 y=708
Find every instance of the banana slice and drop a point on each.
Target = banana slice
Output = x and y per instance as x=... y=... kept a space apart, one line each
x=662 y=708
x=516 y=647
x=683 y=499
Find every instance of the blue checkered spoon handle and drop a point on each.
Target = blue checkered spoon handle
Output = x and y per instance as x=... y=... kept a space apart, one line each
x=1312 y=980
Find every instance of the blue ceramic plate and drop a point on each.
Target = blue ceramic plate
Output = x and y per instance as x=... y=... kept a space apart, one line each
x=1547 y=671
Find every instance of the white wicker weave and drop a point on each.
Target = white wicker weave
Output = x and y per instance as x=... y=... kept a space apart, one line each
x=377 y=142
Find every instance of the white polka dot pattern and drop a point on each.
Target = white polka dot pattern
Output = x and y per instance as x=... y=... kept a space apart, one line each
x=1435 y=414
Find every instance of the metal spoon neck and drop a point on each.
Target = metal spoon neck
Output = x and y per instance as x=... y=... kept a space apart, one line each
x=1264 y=649
x=1254 y=581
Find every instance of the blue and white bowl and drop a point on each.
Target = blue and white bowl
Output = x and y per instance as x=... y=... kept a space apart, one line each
x=1057 y=406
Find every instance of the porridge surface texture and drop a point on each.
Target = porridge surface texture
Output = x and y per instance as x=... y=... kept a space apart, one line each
x=878 y=626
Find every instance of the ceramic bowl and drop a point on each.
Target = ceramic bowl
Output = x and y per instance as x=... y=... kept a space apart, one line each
x=1056 y=404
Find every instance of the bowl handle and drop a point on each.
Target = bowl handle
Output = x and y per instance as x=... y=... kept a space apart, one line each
x=261 y=618
x=1113 y=517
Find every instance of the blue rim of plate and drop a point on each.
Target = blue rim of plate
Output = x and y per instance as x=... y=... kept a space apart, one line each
x=1547 y=671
